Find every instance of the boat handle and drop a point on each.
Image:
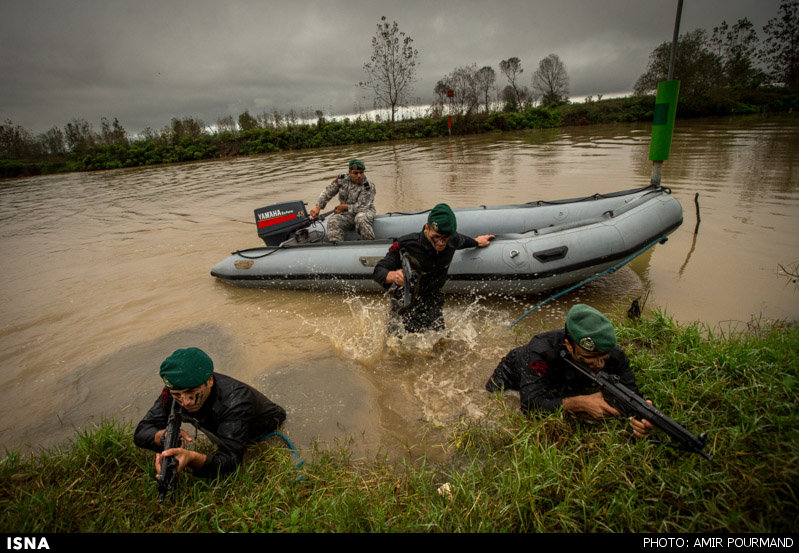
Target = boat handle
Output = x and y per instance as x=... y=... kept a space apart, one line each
x=545 y=256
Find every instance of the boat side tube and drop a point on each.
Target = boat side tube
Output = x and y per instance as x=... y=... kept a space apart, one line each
x=581 y=240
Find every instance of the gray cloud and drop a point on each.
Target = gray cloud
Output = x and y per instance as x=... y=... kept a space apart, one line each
x=145 y=62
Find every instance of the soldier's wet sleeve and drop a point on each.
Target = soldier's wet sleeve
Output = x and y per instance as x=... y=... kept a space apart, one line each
x=502 y=377
x=465 y=242
x=391 y=262
x=272 y=418
x=233 y=435
x=153 y=421
x=328 y=193
x=535 y=385
x=533 y=398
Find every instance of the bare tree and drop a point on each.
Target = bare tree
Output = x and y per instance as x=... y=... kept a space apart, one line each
x=736 y=47
x=392 y=68
x=79 y=135
x=441 y=91
x=247 y=122
x=16 y=141
x=112 y=133
x=551 y=80
x=271 y=120
x=781 y=50
x=485 y=79
x=508 y=97
x=512 y=68
x=463 y=84
x=187 y=127
x=52 y=142
x=149 y=134
x=227 y=124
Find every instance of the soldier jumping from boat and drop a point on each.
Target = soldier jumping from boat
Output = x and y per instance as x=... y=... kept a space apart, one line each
x=430 y=253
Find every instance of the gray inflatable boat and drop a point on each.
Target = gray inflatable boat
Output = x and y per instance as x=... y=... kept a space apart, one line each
x=539 y=245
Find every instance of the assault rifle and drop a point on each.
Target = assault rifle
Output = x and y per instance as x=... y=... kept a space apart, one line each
x=169 y=465
x=631 y=404
x=409 y=276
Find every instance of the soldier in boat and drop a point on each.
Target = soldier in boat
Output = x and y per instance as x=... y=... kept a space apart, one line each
x=356 y=208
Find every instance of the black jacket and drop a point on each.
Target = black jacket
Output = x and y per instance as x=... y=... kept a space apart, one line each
x=233 y=416
x=543 y=379
x=431 y=267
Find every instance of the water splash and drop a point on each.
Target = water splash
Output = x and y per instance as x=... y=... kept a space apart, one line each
x=438 y=375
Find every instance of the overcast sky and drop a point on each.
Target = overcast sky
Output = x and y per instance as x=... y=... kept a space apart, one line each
x=144 y=61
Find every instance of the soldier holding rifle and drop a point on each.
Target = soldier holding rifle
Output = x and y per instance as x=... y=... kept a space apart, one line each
x=430 y=253
x=232 y=414
x=545 y=381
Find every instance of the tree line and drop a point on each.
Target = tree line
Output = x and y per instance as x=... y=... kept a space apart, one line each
x=730 y=65
x=727 y=70
x=469 y=90
x=716 y=70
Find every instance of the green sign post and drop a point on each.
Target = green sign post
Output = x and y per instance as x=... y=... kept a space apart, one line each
x=663 y=120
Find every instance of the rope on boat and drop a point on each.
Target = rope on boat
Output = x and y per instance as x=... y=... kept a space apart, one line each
x=312 y=225
x=654 y=189
x=593 y=197
x=613 y=269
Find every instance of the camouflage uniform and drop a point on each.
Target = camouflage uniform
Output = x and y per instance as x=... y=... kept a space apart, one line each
x=360 y=214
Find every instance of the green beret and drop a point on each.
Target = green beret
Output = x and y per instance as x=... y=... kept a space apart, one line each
x=442 y=219
x=590 y=329
x=186 y=368
x=357 y=164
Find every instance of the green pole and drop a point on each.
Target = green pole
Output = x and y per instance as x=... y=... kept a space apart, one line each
x=663 y=120
x=665 y=110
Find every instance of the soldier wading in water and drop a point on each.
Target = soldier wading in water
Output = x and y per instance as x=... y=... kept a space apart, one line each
x=430 y=252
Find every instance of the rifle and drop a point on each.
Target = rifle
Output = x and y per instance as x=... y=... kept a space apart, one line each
x=629 y=403
x=410 y=280
x=169 y=465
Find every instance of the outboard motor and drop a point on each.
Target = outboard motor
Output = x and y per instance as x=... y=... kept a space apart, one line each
x=277 y=222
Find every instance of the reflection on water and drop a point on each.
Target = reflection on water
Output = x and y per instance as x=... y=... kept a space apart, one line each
x=106 y=273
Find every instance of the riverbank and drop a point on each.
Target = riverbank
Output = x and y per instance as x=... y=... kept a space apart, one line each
x=504 y=473
x=174 y=146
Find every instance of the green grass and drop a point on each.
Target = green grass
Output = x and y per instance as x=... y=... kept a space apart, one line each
x=506 y=473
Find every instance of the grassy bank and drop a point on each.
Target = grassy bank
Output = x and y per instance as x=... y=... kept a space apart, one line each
x=176 y=145
x=505 y=473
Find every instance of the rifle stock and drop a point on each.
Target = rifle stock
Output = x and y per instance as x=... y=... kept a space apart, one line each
x=631 y=404
x=169 y=465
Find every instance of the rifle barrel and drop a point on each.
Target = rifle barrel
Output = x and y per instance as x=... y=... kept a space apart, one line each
x=632 y=404
x=169 y=465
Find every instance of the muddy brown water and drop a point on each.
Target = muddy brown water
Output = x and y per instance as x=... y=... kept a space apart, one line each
x=105 y=274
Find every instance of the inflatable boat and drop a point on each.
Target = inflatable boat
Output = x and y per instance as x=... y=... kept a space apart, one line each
x=539 y=245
